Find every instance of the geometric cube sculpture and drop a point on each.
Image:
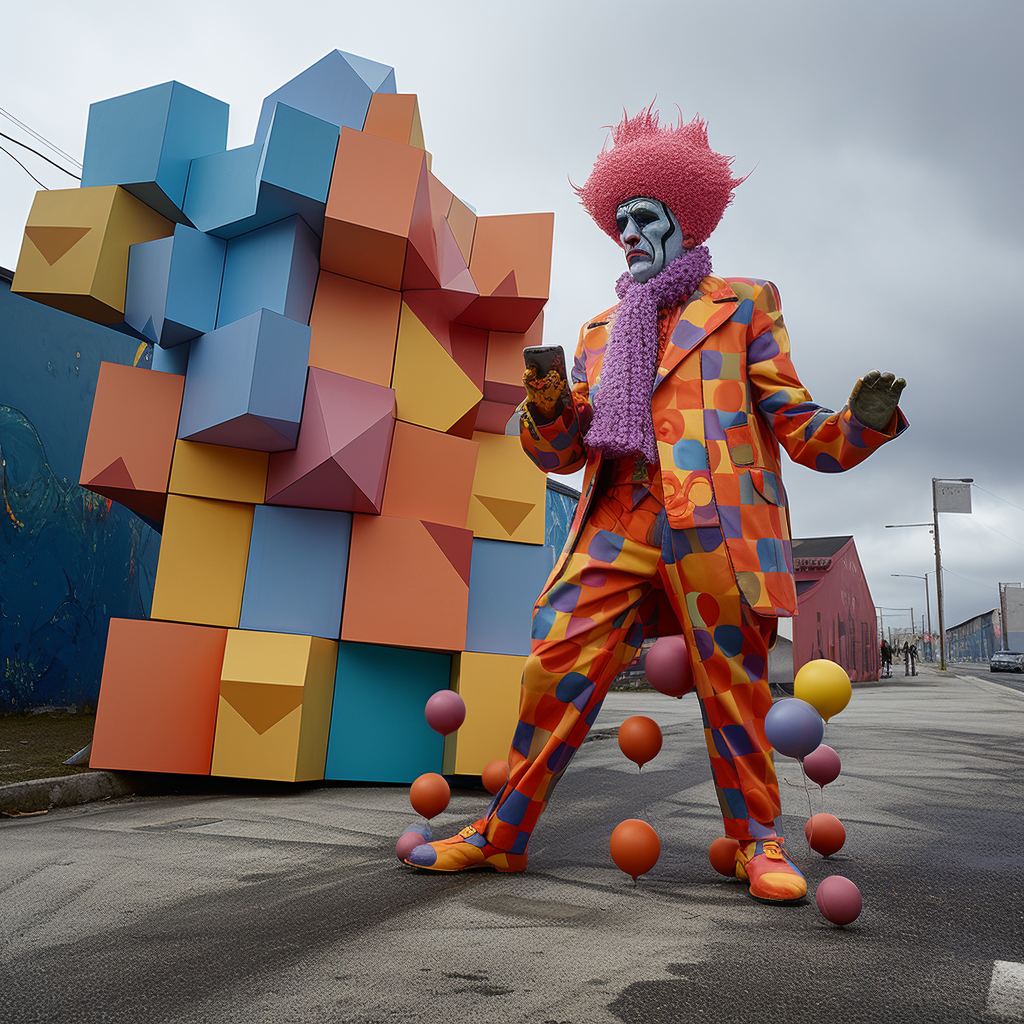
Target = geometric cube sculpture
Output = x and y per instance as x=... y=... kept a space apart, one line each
x=75 y=253
x=245 y=383
x=378 y=227
x=158 y=697
x=504 y=582
x=431 y=389
x=271 y=268
x=378 y=729
x=508 y=492
x=274 y=711
x=131 y=437
x=353 y=328
x=174 y=286
x=214 y=471
x=336 y=89
x=295 y=576
x=200 y=574
x=310 y=446
x=489 y=685
x=145 y=141
x=341 y=458
x=408 y=584
x=430 y=476
x=511 y=265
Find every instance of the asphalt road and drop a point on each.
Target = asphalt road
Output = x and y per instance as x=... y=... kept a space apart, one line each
x=273 y=906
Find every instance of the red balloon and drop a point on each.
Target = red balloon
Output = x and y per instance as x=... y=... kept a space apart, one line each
x=838 y=899
x=635 y=847
x=429 y=795
x=667 y=666
x=494 y=775
x=407 y=843
x=640 y=739
x=822 y=765
x=723 y=856
x=445 y=711
x=825 y=834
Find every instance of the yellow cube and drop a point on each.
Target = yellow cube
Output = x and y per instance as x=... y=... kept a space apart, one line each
x=204 y=550
x=509 y=492
x=274 y=713
x=75 y=253
x=489 y=684
x=215 y=471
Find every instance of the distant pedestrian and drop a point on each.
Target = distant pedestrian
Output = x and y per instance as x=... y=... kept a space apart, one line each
x=913 y=659
x=886 y=653
x=906 y=658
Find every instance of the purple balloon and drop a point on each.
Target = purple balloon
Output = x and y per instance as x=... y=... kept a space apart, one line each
x=793 y=727
x=407 y=843
x=667 y=666
x=838 y=899
x=822 y=765
x=445 y=711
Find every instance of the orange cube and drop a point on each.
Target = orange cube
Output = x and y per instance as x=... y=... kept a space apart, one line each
x=158 y=700
x=131 y=437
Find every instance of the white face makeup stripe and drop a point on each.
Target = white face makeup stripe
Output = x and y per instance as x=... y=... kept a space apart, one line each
x=650 y=236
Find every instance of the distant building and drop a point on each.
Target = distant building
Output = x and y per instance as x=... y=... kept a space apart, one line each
x=836 y=617
x=1011 y=601
x=976 y=639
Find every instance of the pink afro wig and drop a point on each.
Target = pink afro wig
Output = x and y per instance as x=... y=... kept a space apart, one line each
x=674 y=165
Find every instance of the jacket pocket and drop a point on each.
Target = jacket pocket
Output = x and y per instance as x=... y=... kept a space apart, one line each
x=741 y=444
x=767 y=486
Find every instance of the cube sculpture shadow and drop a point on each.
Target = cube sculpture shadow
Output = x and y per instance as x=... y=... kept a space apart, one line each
x=346 y=527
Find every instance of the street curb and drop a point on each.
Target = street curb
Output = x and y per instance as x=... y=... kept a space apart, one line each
x=65 y=791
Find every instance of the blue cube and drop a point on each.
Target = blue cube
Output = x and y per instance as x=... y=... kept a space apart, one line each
x=295 y=576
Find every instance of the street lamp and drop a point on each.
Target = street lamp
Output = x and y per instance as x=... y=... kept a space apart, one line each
x=927 y=599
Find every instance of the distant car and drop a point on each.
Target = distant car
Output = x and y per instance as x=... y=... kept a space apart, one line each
x=1007 y=661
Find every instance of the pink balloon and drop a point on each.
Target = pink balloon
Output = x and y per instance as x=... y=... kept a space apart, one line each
x=445 y=711
x=822 y=765
x=838 y=900
x=407 y=843
x=668 y=666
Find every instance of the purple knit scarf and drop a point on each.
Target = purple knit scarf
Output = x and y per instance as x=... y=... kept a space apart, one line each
x=622 y=424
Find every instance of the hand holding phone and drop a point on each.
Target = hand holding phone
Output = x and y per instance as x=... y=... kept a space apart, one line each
x=545 y=379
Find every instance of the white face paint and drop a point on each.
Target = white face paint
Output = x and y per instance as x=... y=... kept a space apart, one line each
x=650 y=236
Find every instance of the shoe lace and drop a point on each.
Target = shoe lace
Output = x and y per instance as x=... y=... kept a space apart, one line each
x=773 y=849
x=468 y=831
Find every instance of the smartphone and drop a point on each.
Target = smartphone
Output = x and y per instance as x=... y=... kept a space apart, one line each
x=544 y=359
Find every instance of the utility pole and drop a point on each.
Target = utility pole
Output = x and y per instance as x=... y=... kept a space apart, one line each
x=951 y=499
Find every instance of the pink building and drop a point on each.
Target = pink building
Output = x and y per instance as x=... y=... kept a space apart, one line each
x=837 y=614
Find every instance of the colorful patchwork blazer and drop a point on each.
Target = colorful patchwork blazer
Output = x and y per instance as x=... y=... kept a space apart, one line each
x=726 y=398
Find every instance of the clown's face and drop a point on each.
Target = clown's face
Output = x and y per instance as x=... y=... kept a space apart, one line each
x=650 y=236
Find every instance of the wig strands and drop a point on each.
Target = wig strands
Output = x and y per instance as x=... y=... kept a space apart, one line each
x=674 y=164
x=622 y=424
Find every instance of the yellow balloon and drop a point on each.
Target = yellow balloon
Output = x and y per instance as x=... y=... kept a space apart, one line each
x=824 y=685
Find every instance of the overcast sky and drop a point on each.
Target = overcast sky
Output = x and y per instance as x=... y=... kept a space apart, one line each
x=885 y=140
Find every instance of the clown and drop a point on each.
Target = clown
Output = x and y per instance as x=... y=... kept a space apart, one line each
x=681 y=397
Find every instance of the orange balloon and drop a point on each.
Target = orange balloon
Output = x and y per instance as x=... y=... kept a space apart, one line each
x=825 y=834
x=640 y=739
x=429 y=794
x=635 y=847
x=723 y=856
x=494 y=775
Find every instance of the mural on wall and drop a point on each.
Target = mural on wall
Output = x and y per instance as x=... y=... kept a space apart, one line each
x=69 y=559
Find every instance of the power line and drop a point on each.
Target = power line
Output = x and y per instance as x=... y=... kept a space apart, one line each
x=24 y=168
x=994 y=495
x=40 y=155
x=39 y=138
x=987 y=586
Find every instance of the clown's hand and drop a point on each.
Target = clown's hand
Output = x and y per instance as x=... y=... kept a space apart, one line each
x=874 y=398
x=545 y=394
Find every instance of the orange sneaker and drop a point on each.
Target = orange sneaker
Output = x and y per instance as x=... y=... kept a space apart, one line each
x=773 y=877
x=469 y=849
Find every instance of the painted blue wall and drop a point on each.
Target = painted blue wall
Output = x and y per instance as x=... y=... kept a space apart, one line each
x=69 y=560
